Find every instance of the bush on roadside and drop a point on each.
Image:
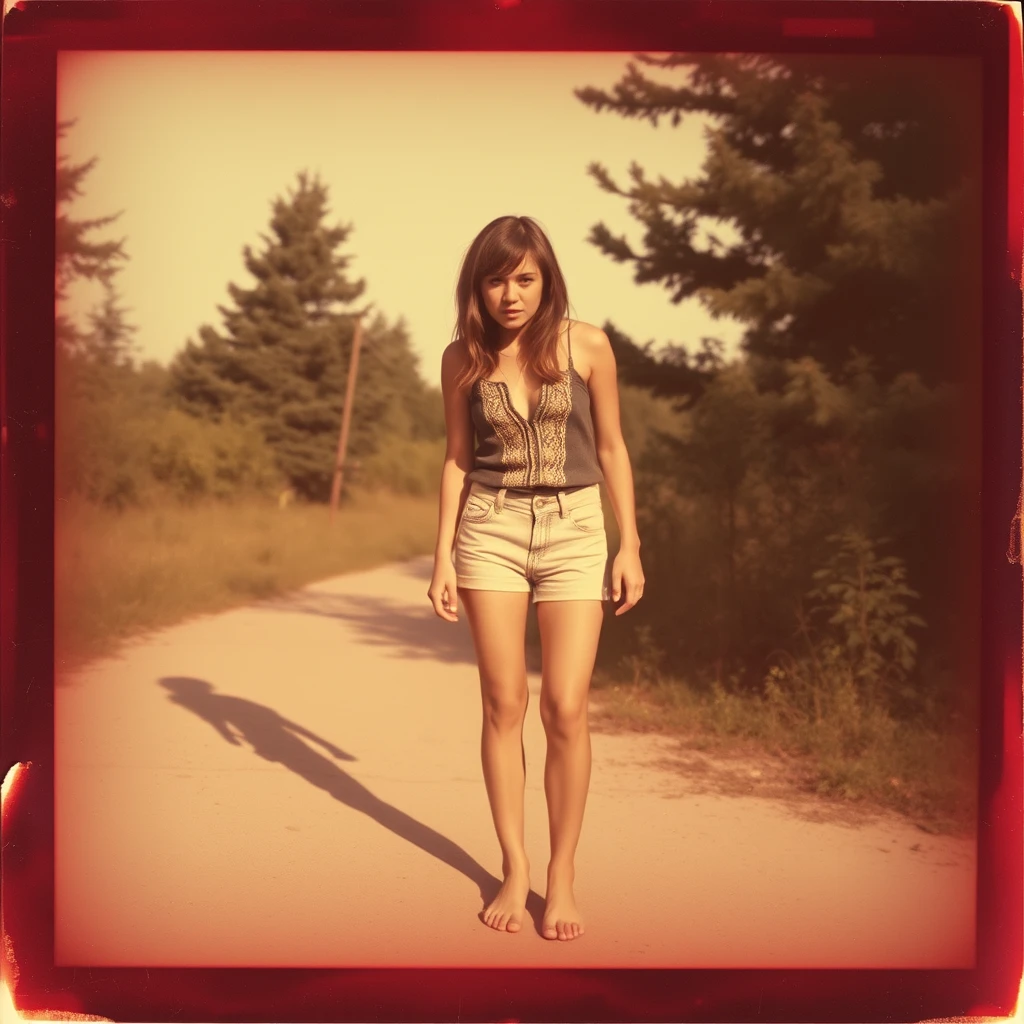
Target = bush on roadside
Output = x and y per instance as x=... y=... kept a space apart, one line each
x=121 y=445
x=403 y=466
x=194 y=458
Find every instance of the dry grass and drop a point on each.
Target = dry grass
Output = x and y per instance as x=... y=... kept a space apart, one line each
x=122 y=573
x=907 y=767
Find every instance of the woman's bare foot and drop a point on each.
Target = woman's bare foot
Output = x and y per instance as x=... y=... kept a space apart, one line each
x=561 y=918
x=506 y=911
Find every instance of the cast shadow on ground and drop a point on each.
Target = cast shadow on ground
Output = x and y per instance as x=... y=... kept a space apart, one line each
x=407 y=632
x=275 y=738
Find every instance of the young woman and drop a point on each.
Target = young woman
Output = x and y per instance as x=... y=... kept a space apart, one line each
x=522 y=511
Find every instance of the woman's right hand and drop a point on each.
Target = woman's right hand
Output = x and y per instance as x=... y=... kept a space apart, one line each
x=443 y=590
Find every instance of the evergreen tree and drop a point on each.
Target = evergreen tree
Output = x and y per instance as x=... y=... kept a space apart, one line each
x=93 y=361
x=78 y=256
x=671 y=371
x=848 y=186
x=110 y=339
x=283 y=357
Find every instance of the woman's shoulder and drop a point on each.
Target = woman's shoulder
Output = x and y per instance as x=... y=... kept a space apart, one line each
x=455 y=361
x=588 y=343
x=455 y=356
x=582 y=333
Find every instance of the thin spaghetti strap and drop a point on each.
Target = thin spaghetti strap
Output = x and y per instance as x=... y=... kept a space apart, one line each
x=568 y=341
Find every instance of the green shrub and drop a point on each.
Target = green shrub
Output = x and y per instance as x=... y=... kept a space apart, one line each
x=119 y=444
x=99 y=452
x=403 y=466
x=194 y=458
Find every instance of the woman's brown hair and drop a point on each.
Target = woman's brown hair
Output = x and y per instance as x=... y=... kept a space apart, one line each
x=496 y=251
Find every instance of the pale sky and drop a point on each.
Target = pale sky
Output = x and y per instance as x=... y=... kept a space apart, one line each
x=418 y=151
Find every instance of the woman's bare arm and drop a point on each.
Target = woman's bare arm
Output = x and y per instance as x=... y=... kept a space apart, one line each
x=458 y=456
x=458 y=461
x=615 y=465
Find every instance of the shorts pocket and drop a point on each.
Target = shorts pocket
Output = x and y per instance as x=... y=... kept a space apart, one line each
x=478 y=509
x=587 y=518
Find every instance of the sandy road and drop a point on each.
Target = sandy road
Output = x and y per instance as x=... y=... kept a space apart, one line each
x=297 y=783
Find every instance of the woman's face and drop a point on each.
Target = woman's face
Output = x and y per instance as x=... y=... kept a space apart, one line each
x=513 y=299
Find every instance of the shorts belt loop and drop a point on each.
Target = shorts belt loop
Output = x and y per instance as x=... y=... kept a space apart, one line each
x=499 y=502
x=562 y=510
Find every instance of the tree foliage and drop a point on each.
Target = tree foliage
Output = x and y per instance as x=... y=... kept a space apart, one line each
x=282 y=358
x=848 y=193
x=81 y=256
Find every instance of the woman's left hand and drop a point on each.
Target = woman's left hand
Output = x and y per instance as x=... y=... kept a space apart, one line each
x=627 y=579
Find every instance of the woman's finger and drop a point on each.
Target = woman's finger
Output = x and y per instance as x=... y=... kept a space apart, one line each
x=437 y=601
x=634 y=591
x=445 y=606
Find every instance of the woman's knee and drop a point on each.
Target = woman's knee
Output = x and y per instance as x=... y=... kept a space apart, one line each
x=505 y=706
x=565 y=715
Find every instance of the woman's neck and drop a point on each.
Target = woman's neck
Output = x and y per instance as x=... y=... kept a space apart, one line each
x=508 y=341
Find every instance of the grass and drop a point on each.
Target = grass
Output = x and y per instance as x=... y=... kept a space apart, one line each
x=119 y=574
x=911 y=767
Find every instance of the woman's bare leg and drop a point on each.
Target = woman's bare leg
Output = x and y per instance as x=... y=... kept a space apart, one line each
x=498 y=624
x=569 y=632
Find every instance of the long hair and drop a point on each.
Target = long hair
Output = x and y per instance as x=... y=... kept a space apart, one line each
x=496 y=251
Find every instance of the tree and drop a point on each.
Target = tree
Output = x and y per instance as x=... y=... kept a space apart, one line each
x=714 y=463
x=110 y=339
x=282 y=358
x=94 y=362
x=836 y=216
x=850 y=193
x=672 y=371
x=79 y=257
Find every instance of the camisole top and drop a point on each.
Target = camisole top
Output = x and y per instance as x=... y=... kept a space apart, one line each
x=554 y=448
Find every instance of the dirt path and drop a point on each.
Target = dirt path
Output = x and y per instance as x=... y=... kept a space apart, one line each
x=200 y=822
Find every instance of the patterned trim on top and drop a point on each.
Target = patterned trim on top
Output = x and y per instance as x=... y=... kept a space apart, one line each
x=515 y=447
x=552 y=415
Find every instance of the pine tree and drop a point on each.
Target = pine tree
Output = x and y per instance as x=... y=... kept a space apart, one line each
x=282 y=359
x=78 y=256
x=672 y=371
x=110 y=340
x=848 y=188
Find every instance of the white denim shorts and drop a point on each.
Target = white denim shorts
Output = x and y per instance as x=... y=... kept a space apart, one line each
x=554 y=545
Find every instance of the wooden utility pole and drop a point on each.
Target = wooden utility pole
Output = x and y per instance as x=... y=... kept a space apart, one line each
x=346 y=415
